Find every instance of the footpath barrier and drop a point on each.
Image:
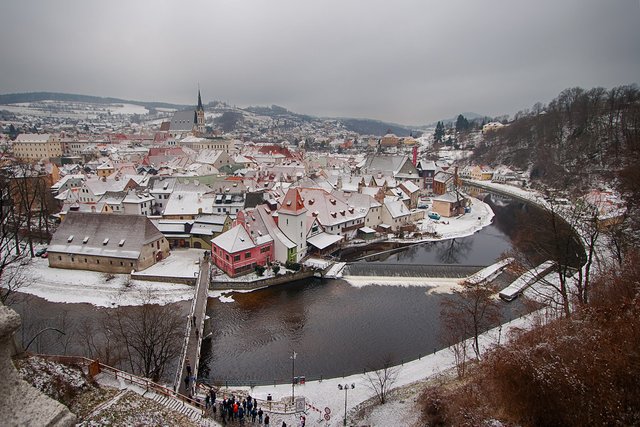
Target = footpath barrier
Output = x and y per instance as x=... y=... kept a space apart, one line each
x=95 y=367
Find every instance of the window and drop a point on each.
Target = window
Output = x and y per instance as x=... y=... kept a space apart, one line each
x=226 y=257
x=247 y=255
x=264 y=249
x=236 y=258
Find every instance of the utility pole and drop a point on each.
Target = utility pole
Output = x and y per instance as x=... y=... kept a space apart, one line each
x=293 y=378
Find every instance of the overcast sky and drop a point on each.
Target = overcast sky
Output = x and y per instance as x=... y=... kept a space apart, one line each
x=406 y=61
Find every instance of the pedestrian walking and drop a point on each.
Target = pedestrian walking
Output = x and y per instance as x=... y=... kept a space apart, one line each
x=266 y=420
x=207 y=401
x=260 y=415
x=186 y=382
x=254 y=414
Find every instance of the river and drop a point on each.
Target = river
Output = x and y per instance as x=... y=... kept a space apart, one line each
x=337 y=329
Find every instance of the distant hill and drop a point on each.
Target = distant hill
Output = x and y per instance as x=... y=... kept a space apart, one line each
x=361 y=126
x=13 y=98
x=374 y=127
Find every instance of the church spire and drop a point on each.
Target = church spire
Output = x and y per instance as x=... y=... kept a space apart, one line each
x=199 y=100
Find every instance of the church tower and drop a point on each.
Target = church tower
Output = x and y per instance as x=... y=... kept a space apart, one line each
x=292 y=221
x=199 y=119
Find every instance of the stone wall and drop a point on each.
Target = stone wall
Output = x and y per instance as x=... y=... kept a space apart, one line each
x=261 y=283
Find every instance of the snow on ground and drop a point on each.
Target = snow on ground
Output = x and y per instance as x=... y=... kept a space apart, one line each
x=182 y=263
x=464 y=225
x=82 y=286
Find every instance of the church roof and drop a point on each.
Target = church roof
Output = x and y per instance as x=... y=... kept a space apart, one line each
x=183 y=121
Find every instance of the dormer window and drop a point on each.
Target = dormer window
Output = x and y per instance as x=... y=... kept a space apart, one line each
x=333 y=201
x=333 y=214
x=105 y=241
x=70 y=239
x=289 y=203
x=342 y=212
x=85 y=240
x=121 y=242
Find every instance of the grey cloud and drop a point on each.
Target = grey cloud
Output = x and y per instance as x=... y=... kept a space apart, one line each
x=405 y=61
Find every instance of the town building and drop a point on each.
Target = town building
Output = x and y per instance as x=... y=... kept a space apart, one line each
x=32 y=146
x=235 y=252
x=107 y=243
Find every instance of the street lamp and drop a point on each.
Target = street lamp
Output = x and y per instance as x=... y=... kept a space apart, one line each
x=346 y=387
x=293 y=370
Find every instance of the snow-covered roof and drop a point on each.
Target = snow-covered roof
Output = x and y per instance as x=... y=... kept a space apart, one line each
x=235 y=240
x=86 y=234
x=323 y=240
x=410 y=186
x=447 y=197
x=396 y=208
x=33 y=137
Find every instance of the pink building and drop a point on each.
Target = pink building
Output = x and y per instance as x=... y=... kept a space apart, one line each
x=235 y=252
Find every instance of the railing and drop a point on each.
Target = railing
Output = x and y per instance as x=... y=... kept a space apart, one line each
x=185 y=345
x=146 y=383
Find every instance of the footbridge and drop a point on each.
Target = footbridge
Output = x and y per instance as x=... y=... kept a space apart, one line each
x=189 y=363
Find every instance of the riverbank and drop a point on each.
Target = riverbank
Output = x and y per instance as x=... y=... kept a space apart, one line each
x=102 y=290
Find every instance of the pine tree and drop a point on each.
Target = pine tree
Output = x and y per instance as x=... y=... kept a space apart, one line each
x=439 y=133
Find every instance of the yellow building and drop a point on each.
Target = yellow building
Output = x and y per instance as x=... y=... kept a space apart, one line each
x=33 y=146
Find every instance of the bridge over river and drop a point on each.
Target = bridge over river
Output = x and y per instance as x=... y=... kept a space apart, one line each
x=189 y=363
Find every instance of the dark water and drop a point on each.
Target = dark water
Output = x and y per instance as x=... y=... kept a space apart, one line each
x=337 y=329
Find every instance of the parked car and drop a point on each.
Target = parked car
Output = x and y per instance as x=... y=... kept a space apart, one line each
x=41 y=251
x=45 y=255
x=434 y=215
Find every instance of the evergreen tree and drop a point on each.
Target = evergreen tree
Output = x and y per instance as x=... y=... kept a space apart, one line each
x=462 y=124
x=439 y=133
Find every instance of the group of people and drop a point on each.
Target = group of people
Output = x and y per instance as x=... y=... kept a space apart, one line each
x=232 y=409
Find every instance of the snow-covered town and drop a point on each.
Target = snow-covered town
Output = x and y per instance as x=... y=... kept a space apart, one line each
x=288 y=214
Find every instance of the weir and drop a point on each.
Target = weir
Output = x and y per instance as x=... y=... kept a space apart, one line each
x=410 y=270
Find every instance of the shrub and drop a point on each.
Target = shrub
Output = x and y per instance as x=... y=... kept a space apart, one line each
x=260 y=270
x=292 y=266
x=275 y=268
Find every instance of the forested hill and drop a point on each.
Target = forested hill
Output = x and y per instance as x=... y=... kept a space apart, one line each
x=579 y=135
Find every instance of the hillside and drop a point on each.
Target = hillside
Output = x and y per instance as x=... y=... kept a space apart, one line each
x=579 y=135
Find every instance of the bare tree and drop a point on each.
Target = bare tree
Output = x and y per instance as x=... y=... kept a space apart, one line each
x=567 y=234
x=11 y=254
x=150 y=335
x=470 y=312
x=454 y=335
x=381 y=380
